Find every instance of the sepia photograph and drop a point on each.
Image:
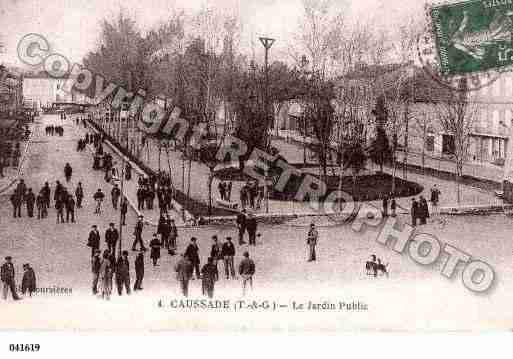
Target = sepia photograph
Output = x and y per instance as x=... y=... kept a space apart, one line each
x=276 y=166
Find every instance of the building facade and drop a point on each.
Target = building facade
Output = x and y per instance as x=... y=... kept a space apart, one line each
x=11 y=97
x=42 y=91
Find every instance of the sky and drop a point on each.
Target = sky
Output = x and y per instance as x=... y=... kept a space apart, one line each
x=73 y=26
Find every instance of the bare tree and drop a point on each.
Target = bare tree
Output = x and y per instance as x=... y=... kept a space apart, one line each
x=422 y=124
x=457 y=114
x=404 y=48
x=320 y=29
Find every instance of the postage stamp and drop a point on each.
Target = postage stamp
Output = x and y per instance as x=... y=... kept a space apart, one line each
x=473 y=36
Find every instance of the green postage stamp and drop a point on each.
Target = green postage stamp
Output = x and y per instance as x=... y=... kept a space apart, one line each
x=473 y=36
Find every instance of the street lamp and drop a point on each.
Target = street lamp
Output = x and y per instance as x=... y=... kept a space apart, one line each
x=267 y=42
x=123 y=198
x=304 y=63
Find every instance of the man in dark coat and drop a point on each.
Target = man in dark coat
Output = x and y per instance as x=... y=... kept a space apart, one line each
x=192 y=253
x=241 y=225
x=28 y=283
x=222 y=189
x=141 y=194
x=16 y=204
x=155 y=249
x=139 y=270
x=385 y=206
x=79 y=194
x=229 y=191
x=216 y=252
x=46 y=192
x=150 y=197
x=138 y=234
x=7 y=277
x=93 y=240
x=95 y=269
x=209 y=276
x=435 y=195
x=59 y=207
x=115 y=194
x=423 y=209
x=70 y=209
x=228 y=252
x=111 y=237
x=68 y=171
x=183 y=269
x=30 y=199
x=246 y=271
x=251 y=226
x=414 y=212
x=40 y=205
x=311 y=242
x=123 y=273
x=21 y=189
x=98 y=197
x=164 y=230
x=58 y=191
x=173 y=235
x=124 y=210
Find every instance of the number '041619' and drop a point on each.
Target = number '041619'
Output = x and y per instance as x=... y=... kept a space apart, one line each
x=24 y=347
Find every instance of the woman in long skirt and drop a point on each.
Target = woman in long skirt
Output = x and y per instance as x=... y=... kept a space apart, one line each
x=106 y=276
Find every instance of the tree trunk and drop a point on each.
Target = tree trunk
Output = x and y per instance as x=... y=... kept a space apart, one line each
x=340 y=184
x=354 y=186
x=210 y=180
x=459 y=171
x=160 y=152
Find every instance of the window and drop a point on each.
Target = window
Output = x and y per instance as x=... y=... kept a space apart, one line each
x=430 y=143
x=448 y=144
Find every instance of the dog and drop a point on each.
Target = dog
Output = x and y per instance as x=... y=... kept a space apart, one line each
x=380 y=267
x=371 y=266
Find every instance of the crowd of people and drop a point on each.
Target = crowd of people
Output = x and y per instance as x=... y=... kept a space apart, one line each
x=105 y=266
x=155 y=187
x=251 y=195
x=64 y=201
x=225 y=190
x=54 y=130
x=419 y=209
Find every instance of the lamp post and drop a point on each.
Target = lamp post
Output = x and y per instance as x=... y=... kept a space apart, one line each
x=266 y=188
x=267 y=42
x=122 y=179
x=304 y=63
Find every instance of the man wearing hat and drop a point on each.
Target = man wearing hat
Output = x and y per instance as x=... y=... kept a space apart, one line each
x=138 y=233
x=183 y=269
x=123 y=273
x=241 y=225
x=111 y=237
x=93 y=240
x=192 y=253
x=124 y=210
x=311 y=241
x=246 y=271
x=28 y=283
x=139 y=270
x=7 y=277
x=95 y=268
x=228 y=252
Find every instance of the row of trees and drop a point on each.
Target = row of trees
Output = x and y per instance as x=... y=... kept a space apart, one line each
x=196 y=61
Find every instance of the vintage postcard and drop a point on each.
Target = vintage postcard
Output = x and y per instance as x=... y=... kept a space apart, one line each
x=248 y=165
